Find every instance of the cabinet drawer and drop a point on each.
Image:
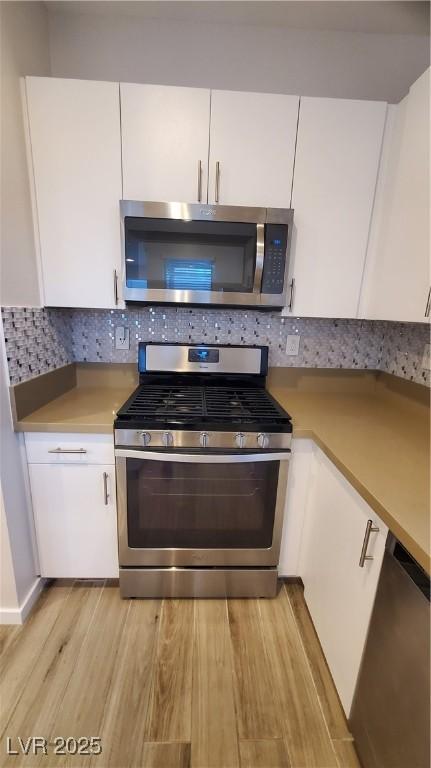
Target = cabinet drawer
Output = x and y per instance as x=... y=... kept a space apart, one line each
x=69 y=448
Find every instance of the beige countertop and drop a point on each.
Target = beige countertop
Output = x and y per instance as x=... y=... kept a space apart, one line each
x=380 y=442
x=374 y=429
x=82 y=409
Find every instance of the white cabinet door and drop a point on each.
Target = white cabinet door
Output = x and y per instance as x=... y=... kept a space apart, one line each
x=298 y=484
x=397 y=278
x=165 y=142
x=253 y=140
x=339 y=594
x=336 y=164
x=76 y=151
x=76 y=523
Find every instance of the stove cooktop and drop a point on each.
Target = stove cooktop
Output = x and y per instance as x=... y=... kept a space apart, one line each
x=197 y=407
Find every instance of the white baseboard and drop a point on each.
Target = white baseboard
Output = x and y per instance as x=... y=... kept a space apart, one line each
x=19 y=615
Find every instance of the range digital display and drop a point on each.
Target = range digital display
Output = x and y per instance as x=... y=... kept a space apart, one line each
x=203 y=355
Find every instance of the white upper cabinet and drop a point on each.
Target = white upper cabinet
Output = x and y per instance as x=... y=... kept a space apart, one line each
x=168 y=134
x=165 y=142
x=397 y=279
x=337 y=158
x=76 y=153
x=252 y=148
x=338 y=592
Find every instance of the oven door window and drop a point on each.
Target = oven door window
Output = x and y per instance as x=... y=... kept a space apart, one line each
x=206 y=506
x=190 y=255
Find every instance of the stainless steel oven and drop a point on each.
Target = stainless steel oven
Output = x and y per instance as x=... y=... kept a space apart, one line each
x=189 y=520
x=205 y=254
x=202 y=453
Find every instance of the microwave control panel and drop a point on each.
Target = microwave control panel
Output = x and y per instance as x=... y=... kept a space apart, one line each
x=275 y=258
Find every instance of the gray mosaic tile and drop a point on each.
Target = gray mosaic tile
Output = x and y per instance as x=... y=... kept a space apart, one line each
x=403 y=351
x=38 y=340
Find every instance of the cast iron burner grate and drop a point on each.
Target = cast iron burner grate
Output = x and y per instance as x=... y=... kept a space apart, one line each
x=215 y=403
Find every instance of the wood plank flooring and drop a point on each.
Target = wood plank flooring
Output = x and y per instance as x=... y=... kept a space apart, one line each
x=170 y=683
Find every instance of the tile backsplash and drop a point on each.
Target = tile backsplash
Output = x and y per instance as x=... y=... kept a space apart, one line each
x=39 y=340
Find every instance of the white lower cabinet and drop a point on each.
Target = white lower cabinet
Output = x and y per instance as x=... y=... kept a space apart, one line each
x=75 y=513
x=298 y=482
x=338 y=592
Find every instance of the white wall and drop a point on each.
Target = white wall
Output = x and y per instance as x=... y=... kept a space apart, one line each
x=24 y=51
x=8 y=595
x=14 y=485
x=236 y=56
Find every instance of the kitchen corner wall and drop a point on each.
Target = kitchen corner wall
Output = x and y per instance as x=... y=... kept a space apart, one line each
x=39 y=340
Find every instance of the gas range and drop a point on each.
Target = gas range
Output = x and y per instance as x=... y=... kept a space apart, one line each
x=206 y=417
x=202 y=452
x=209 y=410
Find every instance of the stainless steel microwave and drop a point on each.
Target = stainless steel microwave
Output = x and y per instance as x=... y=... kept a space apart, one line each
x=182 y=253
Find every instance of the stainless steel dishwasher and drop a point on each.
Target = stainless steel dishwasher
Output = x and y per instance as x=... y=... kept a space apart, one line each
x=390 y=717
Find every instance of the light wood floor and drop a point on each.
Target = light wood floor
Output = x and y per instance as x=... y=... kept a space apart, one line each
x=171 y=683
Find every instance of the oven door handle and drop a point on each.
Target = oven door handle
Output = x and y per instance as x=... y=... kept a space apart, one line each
x=203 y=458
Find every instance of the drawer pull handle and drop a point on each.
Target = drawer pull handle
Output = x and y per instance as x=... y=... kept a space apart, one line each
x=292 y=294
x=105 y=489
x=67 y=450
x=368 y=530
x=217 y=182
x=115 y=287
x=199 y=181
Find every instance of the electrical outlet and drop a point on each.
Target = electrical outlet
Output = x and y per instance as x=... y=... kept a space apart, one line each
x=122 y=337
x=426 y=359
x=292 y=344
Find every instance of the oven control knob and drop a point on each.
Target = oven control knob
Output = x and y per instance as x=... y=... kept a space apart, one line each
x=167 y=439
x=262 y=440
x=204 y=439
x=240 y=439
x=145 y=438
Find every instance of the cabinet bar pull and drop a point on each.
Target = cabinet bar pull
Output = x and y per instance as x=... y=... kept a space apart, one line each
x=199 y=181
x=292 y=294
x=217 y=182
x=105 y=488
x=115 y=287
x=369 y=529
x=67 y=450
x=428 y=306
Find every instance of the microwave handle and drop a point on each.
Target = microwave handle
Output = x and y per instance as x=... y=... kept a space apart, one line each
x=260 y=254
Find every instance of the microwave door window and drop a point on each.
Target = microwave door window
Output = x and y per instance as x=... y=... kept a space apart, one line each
x=188 y=275
x=194 y=256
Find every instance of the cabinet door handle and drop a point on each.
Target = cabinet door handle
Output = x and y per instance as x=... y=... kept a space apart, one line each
x=105 y=488
x=115 y=287
x=368 y=530
x=199 y=181
x=428 y=306
x=292 y=294
x=67 y=450
x=217 y=182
